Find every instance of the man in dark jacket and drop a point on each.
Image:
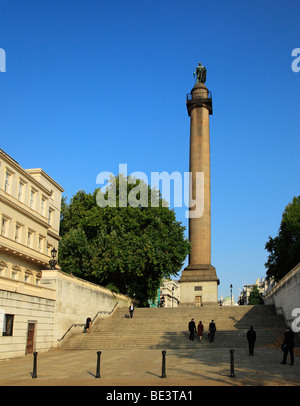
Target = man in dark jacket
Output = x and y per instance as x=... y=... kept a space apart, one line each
x=192 y=329
x=212 y=329
x=251 y=337
x=131 y=310
x=288 y=346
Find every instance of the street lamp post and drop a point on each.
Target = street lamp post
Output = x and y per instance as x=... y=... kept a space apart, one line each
x=231 y=293
x=53 y=261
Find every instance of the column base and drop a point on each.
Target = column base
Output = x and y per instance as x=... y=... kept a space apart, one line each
x=199 y=285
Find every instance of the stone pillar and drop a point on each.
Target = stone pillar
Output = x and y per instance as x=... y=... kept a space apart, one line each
x=199 y=282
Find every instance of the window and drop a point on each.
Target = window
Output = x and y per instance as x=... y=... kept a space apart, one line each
x=41 y=244
x=8 y=325
x=20 y=191
x=30 y=239
x=43 y=201
x=4 y=227
x=32 y=198
x=50 y=217
x=18 y=233
x=27 y=276
x=3 y=268
x=7 y=182
x=14 y=275
x=38 y=278
x=15 y=272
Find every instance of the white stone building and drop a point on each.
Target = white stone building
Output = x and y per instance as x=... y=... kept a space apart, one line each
x=30 y=202
x=170 y=291
x=263 y=286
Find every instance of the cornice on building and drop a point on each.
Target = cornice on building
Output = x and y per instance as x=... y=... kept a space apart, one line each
x=27 y=173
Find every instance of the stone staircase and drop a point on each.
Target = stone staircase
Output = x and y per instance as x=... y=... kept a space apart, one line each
x=167 y=328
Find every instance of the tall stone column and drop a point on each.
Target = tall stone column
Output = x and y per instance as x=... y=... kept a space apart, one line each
x=199 y=281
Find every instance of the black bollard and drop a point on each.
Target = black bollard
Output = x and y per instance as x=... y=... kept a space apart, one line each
x=34 y=375
x=232 y=375
x=163 y=368
x=98 y=364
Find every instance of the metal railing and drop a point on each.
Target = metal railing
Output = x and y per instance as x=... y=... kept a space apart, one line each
x=83 y=324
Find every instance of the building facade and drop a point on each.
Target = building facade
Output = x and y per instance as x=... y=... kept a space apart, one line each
x=30 y=202
x=168 y=294
x=263 y=285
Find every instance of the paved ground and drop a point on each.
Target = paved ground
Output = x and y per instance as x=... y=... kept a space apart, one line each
x=192 y=367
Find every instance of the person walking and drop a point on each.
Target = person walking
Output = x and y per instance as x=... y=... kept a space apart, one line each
x=131 y=310
x=212 y=329
x=200 y=329
x=288 y=346
x=192 y=329
x=88 y=325
x=251 y=337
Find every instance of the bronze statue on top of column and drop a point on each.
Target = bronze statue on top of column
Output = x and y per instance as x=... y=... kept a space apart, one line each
x=200 y=73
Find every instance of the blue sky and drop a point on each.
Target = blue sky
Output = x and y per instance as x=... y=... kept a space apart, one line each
x=92 y=84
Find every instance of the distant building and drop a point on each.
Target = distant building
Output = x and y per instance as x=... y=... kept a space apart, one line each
x=227 y=301
x=168 y=294
x=263 y=285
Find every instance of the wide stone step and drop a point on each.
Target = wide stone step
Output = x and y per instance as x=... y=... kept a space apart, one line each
x=168 y=328
x=168 y=340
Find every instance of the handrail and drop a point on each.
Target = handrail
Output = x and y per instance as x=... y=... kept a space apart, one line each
x=83 y=324
x=105 y=311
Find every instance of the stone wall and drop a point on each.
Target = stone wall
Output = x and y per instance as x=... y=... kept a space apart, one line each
x=28 y=304
x=77 y=299
x=54 y=306
x=285 y=295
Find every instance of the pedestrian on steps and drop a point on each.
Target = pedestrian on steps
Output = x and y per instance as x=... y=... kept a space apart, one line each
x=88 y=325
x=192 y=329
x=212 y=329
x=200 y=329
x=288 y=345
x=251 y=337
x=131 y=310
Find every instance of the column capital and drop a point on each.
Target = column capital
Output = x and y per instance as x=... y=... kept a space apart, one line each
x=200 y=96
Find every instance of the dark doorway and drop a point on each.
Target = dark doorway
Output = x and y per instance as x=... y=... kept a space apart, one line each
x=30 y=338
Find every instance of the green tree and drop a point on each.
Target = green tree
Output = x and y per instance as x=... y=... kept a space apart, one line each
x=284 y=249
x=75 y=252
x=128 y=248
x=255 y=297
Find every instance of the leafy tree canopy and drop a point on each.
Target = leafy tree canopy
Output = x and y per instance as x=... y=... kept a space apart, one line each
x=129 y=249
x=284 y=249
